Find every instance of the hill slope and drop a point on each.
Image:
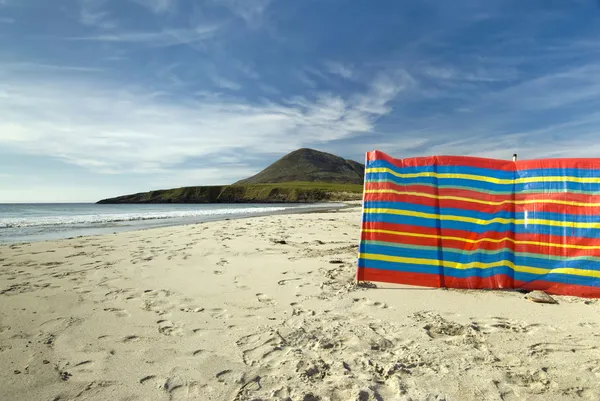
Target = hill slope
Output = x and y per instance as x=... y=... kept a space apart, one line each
x=287 y=192
x=309 y=165
x=305 y=175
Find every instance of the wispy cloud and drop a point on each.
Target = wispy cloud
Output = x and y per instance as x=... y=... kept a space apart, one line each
x=41 y=67
x=92 y=13
x=251 y=11
x=248 y=70
x=5 y=20
x=158 y=6
x=225 y=83
x=165 y=38
x=114 y=129
x=339 y=69
x=469 y=74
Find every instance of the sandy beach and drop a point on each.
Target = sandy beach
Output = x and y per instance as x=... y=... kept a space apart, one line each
x=266 y=309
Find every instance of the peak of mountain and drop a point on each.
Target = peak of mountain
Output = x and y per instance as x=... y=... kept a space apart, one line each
x=309 y=165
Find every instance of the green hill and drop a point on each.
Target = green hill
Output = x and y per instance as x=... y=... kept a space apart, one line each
x=309 y=165
x=288 y=192
x=305 y=175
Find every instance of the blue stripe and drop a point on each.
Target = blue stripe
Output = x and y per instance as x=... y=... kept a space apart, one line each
x=454 y=255
x=474 y=273
x=488 y=172
x=480 y=229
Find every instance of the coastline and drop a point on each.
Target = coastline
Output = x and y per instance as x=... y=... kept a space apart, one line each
x=264 y=308
x=39 y=229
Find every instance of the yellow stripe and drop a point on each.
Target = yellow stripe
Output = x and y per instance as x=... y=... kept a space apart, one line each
x=477 y=241
x=527 y=180
x=483 y=202
x=554 y=223
x=479 y=265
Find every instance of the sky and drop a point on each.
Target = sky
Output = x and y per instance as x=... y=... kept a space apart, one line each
x=100 y=98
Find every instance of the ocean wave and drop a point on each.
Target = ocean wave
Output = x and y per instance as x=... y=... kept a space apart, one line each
x=93 y=219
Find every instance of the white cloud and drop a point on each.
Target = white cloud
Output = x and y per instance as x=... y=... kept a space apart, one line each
x=469 y=74
x=164 y=38
x=158 y=6
x=41 y=67
x=251 y=11
x=92 y=14
x=248 y=70
x=118 y=129
x=339 y=69
x=269 y=89
x=384 y=88
x=225 y=83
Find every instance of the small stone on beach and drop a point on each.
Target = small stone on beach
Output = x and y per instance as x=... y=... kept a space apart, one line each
x=540 y=297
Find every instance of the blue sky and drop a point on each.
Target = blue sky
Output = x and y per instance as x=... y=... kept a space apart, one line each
x=105 y=97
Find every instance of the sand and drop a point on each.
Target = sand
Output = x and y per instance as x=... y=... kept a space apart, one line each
x=266 y=309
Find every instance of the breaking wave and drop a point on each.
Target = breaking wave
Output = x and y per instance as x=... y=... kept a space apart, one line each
x=99 y=219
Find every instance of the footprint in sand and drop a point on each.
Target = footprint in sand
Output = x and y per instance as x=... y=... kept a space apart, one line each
x=496 y=324
x=167 y=328
x=225 y=376
x=118 y=312
x=259 y=347
x=285 y=281
x=367 y=302
x=264 y=299
x=192 y=310
x=180 y=389
x=238 y=285
x=219 y=313
x=543 y=349
x=436 y=326
x=147 y=379
x=83 y=367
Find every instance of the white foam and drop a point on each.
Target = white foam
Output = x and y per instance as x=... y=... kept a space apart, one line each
x=93 y=219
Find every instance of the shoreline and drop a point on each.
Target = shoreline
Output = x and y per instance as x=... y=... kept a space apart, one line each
x=148 y=224
x=264 y=308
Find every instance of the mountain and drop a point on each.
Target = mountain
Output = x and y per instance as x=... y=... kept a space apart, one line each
x=309 y=165
x=305 y=175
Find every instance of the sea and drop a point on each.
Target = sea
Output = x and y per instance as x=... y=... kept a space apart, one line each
x=40 y=222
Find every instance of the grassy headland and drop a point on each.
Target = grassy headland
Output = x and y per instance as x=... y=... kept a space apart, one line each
x=285 y=192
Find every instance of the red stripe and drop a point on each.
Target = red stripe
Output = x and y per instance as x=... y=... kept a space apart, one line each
x=584 y=164
x=478 y=162
x=392 y=276
x=463 y=161
x=499 y=281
